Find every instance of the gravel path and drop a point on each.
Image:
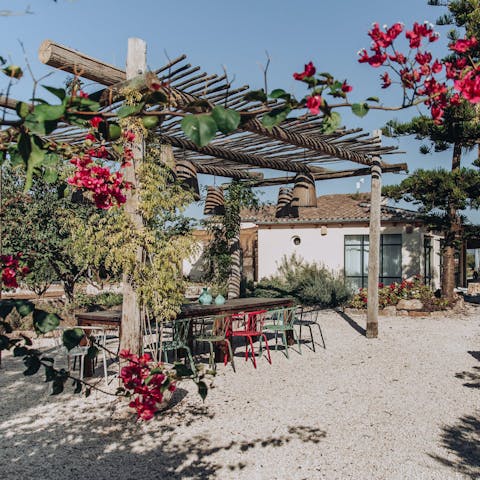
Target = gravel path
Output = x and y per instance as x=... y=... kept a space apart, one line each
x=405 y=406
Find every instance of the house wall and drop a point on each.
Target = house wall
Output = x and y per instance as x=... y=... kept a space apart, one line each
x=328 y=249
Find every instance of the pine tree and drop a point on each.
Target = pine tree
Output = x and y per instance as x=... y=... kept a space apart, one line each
x=459 y=187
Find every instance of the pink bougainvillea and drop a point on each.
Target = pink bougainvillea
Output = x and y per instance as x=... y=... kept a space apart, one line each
x=12 y=269
x=145 y=382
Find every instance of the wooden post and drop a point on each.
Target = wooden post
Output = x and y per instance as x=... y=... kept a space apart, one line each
x=131 y=332
x=374 y=249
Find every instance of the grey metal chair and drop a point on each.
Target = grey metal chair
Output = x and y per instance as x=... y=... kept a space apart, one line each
x=308 y=318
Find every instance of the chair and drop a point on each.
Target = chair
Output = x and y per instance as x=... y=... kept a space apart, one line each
x=216 y=329
x=252 y=327
x=93 y=336
x=179 y=340
x=308 y=318
x=283 y=320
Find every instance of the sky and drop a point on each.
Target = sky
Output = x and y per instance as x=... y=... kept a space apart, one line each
x=234 y=35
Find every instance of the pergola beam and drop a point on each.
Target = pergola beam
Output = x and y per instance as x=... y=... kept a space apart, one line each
x=75 y=62
x=331 y=174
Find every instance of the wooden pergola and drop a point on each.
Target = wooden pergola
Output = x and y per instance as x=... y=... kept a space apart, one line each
x=296 y=148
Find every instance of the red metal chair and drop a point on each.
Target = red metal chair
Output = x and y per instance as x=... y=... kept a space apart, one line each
x=252 y=327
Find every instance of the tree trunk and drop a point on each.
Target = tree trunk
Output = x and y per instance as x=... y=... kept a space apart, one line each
x=235 y=268
x=451 y=235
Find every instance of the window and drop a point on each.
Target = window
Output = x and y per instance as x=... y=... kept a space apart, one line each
x=296 y=240
x=356 y=259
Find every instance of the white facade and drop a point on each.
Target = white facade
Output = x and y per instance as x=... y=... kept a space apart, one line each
x=325 y=245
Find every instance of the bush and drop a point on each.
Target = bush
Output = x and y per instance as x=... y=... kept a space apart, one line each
x=391 y=294
x=102 y=301
x=308 y=283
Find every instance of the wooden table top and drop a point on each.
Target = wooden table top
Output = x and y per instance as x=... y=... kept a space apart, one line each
x=192 y=310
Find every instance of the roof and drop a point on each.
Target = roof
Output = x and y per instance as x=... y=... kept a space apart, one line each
x=330 y=209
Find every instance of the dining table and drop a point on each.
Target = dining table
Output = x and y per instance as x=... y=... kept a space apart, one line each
x=194 y=310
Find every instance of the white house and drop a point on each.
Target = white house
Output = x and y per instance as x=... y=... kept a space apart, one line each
x=335 y=233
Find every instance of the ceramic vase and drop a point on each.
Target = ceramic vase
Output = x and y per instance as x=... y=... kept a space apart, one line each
x=219 y=299
x=205 y=298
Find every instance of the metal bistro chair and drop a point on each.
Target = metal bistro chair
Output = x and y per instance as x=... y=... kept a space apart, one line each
x=308 y=318
x=179 y=340
x=216 y=329
x=283 y=320
x=94 y=335
x=252 y=328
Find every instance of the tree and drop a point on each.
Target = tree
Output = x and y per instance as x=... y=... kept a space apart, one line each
x=439 y=193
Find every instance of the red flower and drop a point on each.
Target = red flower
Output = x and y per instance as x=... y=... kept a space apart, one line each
x=314 y=103
x=308 y=71
x=346 y=88
x=82 y=94
x=377 y=60
x=386 y=80
x=463 y=45
x=129 y=136
x=398 y=58
x=423 y=58
x=9 y=278
x=96 y=121
x=437 y=67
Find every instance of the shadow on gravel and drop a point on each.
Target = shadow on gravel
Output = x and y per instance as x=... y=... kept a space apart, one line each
x=463 y=440
x=352 y=323
x=473 y=377
x=91 y=441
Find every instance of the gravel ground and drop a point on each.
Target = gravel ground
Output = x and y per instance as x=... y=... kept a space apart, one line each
x=404 y=406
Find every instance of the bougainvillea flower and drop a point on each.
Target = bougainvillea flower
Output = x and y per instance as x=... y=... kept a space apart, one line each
x=308 y=71
x=314 y=103
x=423 y=58
x=437 y=67
x=398 y=58
x=96 y=121
x=377 y=60
x=9 y=278
x=346 y=87
x=386 y=81
x=463 y=45
x=82 y=94
x=129 y=136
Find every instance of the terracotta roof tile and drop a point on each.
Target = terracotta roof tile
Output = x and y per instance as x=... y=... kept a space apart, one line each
x=330 y=208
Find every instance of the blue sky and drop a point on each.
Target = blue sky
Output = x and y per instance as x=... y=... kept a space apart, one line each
x=233 y=34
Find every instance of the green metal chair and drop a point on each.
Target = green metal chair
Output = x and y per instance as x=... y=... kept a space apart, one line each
x=179 y=340
x=216 y=329
x=283 y=320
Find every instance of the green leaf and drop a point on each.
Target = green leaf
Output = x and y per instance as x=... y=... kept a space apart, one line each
x=50 y=373
x=227 y=120
x=4 y=342
x=20 y=351
x=45 y=322
x=360 y=109
x=275 y=117
x=47 y=112
x=256 y=96
x=35 y=160
x=39 y=125
x=57 y=385
x=373 y=99
x=13 y=71
x=71 y=338
x=24 y=307
x=202 y=389
x=182 y=371
x=58 y=92
x=6 y=306
x=22 y=109
x=50 y=175
x=128 y=110
x=280 y=93
x=331 y=123
x=199 y=128
x=32 y=362
x=24 y=146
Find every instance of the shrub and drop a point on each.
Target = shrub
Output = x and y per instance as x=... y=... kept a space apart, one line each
x=390 y=295
x=102 y=301
x=308 y=283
